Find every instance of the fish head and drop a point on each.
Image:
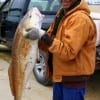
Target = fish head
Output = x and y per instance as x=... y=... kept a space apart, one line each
x=33 y=18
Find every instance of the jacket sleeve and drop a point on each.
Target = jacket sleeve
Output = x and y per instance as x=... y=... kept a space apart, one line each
x=74 y=35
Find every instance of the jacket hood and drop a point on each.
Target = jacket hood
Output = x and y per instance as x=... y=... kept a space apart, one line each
x=83 y=6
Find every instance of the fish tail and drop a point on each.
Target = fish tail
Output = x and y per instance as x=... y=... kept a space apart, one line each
x=11 y=80
x=18 y=94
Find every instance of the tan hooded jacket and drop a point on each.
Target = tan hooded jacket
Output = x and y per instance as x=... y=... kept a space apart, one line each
x=74 y=45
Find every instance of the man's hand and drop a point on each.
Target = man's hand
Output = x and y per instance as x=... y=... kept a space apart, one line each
x=34 y=33
x=47 y=39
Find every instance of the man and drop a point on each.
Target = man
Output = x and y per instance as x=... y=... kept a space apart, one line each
x=71 y=40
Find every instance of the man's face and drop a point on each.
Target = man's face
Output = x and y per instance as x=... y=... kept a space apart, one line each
x=67 y=3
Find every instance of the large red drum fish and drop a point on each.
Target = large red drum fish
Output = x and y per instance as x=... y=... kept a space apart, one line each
x=24 y=53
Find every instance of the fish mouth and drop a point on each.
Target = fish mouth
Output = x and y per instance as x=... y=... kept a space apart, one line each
x=29 y=29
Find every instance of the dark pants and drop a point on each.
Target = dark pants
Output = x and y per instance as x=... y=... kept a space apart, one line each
x=60 y=92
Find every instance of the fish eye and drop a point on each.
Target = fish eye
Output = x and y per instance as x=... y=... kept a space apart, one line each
x=29 y=29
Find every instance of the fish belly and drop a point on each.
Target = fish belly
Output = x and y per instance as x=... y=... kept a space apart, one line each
x=31 y=60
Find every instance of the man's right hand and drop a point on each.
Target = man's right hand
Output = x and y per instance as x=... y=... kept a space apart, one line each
x=36 y=33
